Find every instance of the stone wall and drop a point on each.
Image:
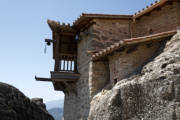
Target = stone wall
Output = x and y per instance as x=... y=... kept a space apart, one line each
x=106 y=32
x=177 y=5
x=130 y=60
x=157 y=21
x=98 y=76
x=103 y=34
x=70 y=106
x=77 y=106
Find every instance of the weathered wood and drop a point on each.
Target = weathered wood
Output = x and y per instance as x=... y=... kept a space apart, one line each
x=69 y=34
x=75 y=65
x=64 y=76
x=43 y=79
x=67 y=61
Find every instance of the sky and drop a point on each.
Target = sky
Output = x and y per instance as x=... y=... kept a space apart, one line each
x=23 y=28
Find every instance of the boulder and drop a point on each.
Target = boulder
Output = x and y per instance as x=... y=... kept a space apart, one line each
x=152 y=94
x=14 y=105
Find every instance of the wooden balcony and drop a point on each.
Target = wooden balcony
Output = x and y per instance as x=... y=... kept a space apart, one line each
x=65 y=76
x=62 y=81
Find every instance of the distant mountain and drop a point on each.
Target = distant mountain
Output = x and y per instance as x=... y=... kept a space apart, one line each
x=55 y=108
x=57 y=113
x=54 y=104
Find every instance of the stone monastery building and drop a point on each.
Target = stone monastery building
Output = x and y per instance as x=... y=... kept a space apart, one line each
x=99 y=50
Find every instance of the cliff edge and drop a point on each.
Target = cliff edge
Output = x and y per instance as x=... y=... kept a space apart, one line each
x=153 y=94
x=14 y=105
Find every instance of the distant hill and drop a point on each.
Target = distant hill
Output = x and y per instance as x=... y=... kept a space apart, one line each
x=57 y=113
x=54 y=104
x=55 y=108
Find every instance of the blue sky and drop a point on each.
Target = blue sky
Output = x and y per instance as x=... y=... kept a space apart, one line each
x=23 y=28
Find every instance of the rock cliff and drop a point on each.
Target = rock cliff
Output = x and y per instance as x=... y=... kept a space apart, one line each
x=14 y=105
x=152 y=94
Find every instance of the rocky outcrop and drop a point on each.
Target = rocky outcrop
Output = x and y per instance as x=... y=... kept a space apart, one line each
x=14 y=105
x=153 y=94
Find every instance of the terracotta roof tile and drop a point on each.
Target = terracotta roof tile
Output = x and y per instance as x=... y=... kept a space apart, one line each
x=57 y=26
x=121 y=43
x=87 y=17
x=150 y=8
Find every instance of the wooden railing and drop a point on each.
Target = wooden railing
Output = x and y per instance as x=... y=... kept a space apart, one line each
x=66 y=63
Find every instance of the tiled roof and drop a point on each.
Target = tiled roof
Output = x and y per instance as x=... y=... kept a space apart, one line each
x=121 y=43
x=152 y=7
x=85 y=18
x=57 y=26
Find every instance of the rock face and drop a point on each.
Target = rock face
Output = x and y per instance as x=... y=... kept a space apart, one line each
x=153 y=94
x=14 y=105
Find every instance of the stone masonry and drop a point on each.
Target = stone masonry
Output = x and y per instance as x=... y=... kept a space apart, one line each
x=124 y=64
x=157 y=21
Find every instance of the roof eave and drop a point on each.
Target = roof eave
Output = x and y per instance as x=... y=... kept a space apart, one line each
x=151 y=8
x=57 y=27
x=85 y=18
x=118 y=45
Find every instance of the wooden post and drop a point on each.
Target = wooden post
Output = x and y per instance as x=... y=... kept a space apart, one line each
x=56 y=68
x=64 y=64
x=75 y=65
x=60 y=58
x=71 y=63
x=67 y=61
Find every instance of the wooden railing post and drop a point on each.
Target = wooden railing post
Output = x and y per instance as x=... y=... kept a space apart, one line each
x=67 y=63
x=60 y=58
x=75 y=64
x=56 y=68
x=71 y=59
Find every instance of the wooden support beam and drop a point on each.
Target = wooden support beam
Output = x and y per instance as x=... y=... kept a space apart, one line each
x=66 y=33
x=43 y=79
